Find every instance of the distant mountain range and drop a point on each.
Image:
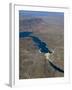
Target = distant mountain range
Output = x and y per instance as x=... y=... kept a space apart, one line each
x=30 y=21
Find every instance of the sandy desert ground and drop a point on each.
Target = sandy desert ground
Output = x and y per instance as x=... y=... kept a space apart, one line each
x=50 y=29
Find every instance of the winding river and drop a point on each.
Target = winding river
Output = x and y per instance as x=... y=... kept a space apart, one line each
x=42 y=46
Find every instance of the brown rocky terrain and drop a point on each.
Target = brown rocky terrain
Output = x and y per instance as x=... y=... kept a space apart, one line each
x=32 y=63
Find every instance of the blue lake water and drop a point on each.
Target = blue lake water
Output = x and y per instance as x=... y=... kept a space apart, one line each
x=24 y=34
x=39 y=43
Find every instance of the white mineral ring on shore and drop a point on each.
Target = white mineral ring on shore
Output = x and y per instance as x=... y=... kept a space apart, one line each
x=47 y=55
